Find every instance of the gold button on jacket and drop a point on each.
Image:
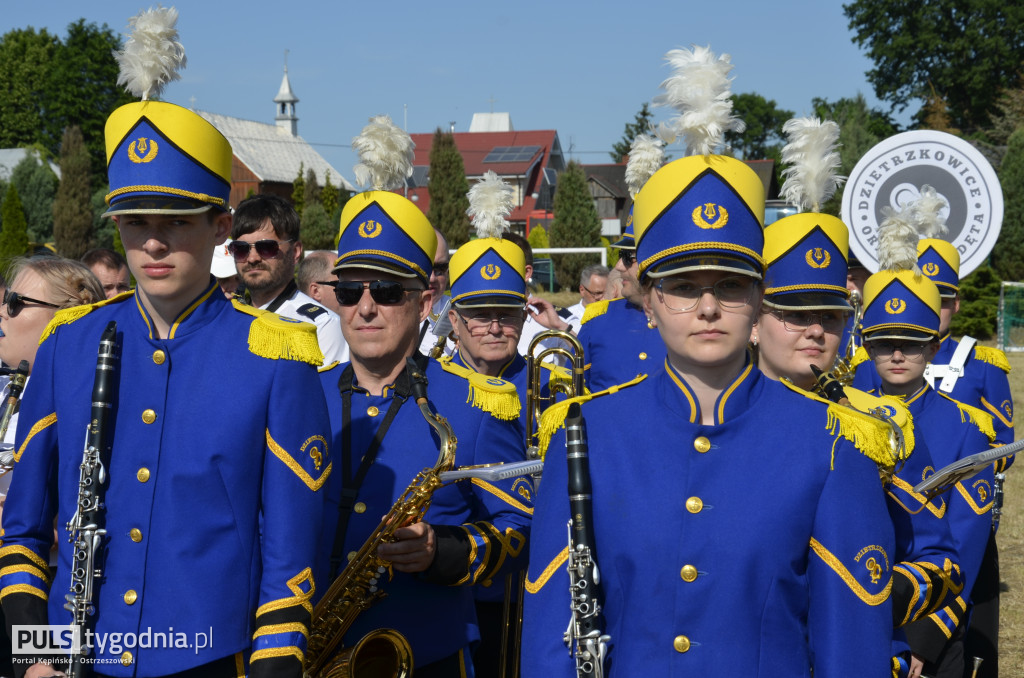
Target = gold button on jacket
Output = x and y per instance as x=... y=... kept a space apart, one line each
x=694 y=505
x=142 y=474
x=688 y=573
x=702 y=444
x=681 y=643
x=130 y=596
x=148 y=416
x=159 y=357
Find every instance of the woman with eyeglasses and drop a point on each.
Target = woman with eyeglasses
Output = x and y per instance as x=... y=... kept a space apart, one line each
x=736 y=531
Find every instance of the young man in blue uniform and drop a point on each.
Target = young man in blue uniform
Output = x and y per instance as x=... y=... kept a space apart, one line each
x=212 y=519
x=901 y=330
x=474 y=531
x=708 y=567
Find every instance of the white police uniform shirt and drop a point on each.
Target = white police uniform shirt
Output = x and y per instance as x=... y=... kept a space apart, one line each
x=292 y=303
x=429 y=338
x=532 y=328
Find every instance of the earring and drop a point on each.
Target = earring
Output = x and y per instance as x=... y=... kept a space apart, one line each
x=651 y=324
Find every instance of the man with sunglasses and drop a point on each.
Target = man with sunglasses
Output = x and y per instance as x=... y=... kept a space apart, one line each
x=618 y=343
x=211 y=522
x=438 y=288
x=267 y=248
x=473 y=531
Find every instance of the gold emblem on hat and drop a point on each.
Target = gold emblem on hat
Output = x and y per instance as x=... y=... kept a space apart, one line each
x=714 y=216
x=147 y=147
x=370 y=229
x=875 y=569
x=930 y=269
x=818 y=257
x=629 y=220
x=490 y=272
x=895 y=306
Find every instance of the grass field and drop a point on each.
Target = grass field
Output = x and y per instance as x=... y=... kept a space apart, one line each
x=1011 y=545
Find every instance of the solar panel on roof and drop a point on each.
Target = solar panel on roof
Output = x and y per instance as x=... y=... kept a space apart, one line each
x=511 y=154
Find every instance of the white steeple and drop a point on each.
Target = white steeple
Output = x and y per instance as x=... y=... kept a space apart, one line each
x=285 y=101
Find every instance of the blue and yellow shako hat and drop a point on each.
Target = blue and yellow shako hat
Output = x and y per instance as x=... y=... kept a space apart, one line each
x=940 y=261
x=386 y=232
x=488 y=272
x=627 y=241
x=702 y=212
x=805 y=255
x=165 y=159
x=900 y=305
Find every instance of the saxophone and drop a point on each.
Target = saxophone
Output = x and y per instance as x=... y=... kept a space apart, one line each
x=383 y=652
x=16 y=386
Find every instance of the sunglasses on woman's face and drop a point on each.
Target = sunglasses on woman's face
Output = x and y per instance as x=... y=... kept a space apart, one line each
x=266 y=249
x=384 y=292
x=15 y=302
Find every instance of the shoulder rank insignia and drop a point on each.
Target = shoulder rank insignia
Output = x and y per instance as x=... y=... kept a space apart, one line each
x=66 y=316
x=490 y=394
x=980 y=418
x=593 y=310
x=553 y=417
x=870 y=433
x=311 y=311
x=992 y=356
x=859 y=356
x=277 y=338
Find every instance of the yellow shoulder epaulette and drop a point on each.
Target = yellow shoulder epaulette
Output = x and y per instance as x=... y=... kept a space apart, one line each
x=277 y=338
x=859 y=356
x=868 y=433
x=327 y=368
x=992 y=356
x=490 y=394
x=553 y=417
x=593 y=310
x=66 y=316
x=980 y=418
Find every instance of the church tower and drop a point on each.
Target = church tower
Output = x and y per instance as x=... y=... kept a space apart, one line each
x=285 y=103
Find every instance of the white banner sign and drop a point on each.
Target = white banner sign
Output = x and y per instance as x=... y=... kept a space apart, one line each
x=893 y=172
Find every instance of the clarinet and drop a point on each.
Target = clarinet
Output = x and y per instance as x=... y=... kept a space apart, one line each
x=584 y=638
x=85 y=529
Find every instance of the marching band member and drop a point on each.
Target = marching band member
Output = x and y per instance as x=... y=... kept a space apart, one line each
x=802 y=318
x=473 y=531
x=707 y=566
x=211 y=523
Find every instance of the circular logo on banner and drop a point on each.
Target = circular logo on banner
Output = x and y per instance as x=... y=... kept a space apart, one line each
x=892 y=174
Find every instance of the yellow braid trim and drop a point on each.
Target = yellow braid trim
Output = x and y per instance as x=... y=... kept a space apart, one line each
x=554 y=417
x=980 y=418
x=593 y=310
x=490 y=394
x=277 y=338
x=859 y=356
x=992 y=356
x=66 y=316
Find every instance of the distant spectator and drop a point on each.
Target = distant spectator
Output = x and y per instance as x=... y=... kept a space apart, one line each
x=110 y=268
x=223 y=269
x=593 y=283
x=316 y=280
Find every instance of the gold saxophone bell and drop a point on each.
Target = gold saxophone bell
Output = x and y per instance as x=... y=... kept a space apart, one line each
x=383 y=653
x=536 y=403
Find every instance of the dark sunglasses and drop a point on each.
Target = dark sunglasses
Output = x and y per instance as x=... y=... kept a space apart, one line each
x=385 y=292
x=627 y=257
x=266 y=249
x=440 y=268
x=15 y=302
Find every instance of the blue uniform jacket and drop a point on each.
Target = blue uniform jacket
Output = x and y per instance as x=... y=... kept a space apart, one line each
x=759 y=546
x=494 y=518
x=214 y=506
x=618 y=345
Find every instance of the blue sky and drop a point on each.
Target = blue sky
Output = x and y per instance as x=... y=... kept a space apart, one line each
x=580 y=68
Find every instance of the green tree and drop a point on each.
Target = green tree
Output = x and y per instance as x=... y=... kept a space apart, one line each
x=448 y=188
x=1008 y=255
x=641 y=125
x=13 y=233
x=299 y=189
x=311 y=189
x=1009 y=114
x=762 y=137
x=538 y=238
x=329 y=195
x=318 y=230
x=25 y=59
x=968 y=50
x=103 y=228
x=72 y=213
x=979 y=305
x=37 y=186
x=575 y=224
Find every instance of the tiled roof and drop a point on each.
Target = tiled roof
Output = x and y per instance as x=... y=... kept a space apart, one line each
x=270 y=152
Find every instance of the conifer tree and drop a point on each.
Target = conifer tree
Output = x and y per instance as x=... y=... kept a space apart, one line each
x=311 y=189
x=72 y=216
x=448 y=188
x=1008 y=254
x=329 y=195
x=576 y=223
x=299 y=189
x=318 y=231
x=14 y=232
x=538 y=238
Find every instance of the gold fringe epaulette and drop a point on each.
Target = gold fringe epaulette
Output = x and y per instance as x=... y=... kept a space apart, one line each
x=593 y=310
x=66 y=316
x=869 y=434
x=980 y=418
x=992 y=356
x=859 y=356
x=490 y=394
x=277 y=338
x=553 y=417
x=327 y=368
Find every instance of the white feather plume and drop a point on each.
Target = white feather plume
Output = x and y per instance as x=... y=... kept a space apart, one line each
x=813 y=159
x=152 y=54
x=897 y=241
x=490 y=203
x=699 y=91
x=926 y=213
x=645 y=158
x=385 y=153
